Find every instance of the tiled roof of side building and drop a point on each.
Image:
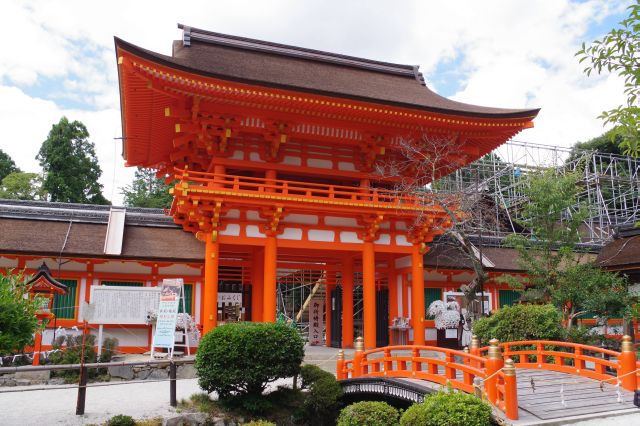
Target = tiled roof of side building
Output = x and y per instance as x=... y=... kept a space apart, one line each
x=288 y=67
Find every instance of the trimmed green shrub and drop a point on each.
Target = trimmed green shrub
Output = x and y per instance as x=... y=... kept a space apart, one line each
x=109 y=348
x=448 y=409
x=121 y=420
x=520 y=322
x=242 y=358
x=259 y=423
x=309 y=373
x=322 y=401
x=368 y=413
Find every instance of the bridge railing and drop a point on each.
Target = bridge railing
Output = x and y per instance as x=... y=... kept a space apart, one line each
x=574 y=358
x=449 y=367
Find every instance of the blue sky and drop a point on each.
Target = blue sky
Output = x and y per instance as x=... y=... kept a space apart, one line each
x=57 y=57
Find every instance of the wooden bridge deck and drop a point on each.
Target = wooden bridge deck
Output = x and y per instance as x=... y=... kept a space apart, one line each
x=542 y=403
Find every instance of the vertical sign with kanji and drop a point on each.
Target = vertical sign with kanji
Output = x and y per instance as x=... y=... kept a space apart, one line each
x=170 y=294
x=316 y=322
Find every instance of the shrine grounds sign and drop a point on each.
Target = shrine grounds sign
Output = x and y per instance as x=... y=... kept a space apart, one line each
x=170 y=292
x=316 y=322
x=122 y=305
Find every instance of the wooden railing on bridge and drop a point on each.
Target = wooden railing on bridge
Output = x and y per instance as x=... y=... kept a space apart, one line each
x=492 y=369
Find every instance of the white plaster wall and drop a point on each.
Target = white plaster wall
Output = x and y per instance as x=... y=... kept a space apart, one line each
x=349 y=237
x=401 y=240
x=321 y=235
x=384 y=239
x=305 y=219
x=232 y=214
x=254 y=216
x=232 y=229
x=122 y=268
x=53 y=265
x=319 y=163
x=254 y=231
x=347 y=222
x=291 y=234
x=179 y=269
x=346 y=166
x=291 y=160
x=5 y=262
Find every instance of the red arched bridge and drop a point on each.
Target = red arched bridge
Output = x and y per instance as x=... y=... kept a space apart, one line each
x=524 y=380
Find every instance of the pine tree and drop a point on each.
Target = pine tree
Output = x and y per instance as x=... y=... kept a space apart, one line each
x=71 y=169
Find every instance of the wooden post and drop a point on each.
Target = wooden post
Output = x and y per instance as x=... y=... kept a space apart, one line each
x=257 y=285
x=82 y=391
x=474 y=349
x=627 y=365
x=357 y=358
x=37 y=346
x=210 y=293
x=270 y=270
x=510 y=390
x=340 y=366
x=369 y=294
x=328 y=288
x=347 y=303
x=172 y=384
x=492 y=365
x=417 y=295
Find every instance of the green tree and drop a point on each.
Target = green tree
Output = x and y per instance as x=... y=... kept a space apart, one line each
x=71 y=169
x=618 y=52
x=7 y=166
x=553 y=222
x=18 y=322
x=606 y=143
x=147 y=190
x=22 y=186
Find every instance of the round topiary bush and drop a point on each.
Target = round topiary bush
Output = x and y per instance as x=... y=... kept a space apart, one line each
x=121 y=420
x=242 y=358
x=259 y=423
x=368 y=413
x=448 y=409
x=521 y=322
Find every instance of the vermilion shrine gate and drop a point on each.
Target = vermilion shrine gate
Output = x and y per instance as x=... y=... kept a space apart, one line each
x=273 y=151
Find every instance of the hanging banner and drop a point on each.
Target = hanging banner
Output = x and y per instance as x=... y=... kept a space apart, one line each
x=164 y=336
x=316 y=322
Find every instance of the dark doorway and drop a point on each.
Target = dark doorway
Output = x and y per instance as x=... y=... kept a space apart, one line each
x=382 y=317
x=336 y=317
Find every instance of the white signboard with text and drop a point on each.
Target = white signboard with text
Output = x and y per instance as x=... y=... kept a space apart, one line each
x=316 y=321
x=122 y=305
x=170 y=293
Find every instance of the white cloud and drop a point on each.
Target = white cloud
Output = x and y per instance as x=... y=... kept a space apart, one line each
x=510 y=54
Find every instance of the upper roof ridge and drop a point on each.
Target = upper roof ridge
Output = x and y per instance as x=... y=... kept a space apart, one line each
x=190 y=34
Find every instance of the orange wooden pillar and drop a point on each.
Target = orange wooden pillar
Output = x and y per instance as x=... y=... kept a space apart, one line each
x=347 y=303
x=627 y=365
x=369 y=294
x=37 y=346
x=417 y=295
x=257 y=285
x=270 y=267
x=210 y=293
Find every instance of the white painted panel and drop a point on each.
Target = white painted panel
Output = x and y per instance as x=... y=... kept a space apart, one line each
x=233 y=214
x=431 y=334
x=401 y=240
x=341 y=221
x=53 y=265
x=349 y=237
x=409 y=302
x=254 y=216
x=179 y=269
x=123 y=268
x=231 y=229
x=343 y=165
x=197 y=301
x=306 y=219
x=401 y=226
x=385 y=225
x=403 y=262
x=384 y=239
x=237 y=155
x=138 y=337
x=321 y=235
x=254 y=156
x=254 y=231
x=321 y=164
x=292 y=161
x=8 y=263
x=115 y=231
x=291 y=234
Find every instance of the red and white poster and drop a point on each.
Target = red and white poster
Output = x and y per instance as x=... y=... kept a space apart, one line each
x=316 y=322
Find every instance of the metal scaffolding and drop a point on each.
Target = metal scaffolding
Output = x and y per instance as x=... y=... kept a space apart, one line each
x=610 y=186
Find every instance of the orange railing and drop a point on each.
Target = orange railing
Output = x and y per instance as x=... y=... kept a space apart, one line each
x=200 y=182
x=495 y=364
x=453 y=368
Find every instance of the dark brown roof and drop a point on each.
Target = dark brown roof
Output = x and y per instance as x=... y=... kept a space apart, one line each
x=445 y=256
x=288 y=67
x=621 y=253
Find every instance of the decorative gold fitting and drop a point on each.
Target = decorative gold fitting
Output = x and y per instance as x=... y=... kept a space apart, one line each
x=475 y=342
x=494 y=349
x=359 y=344
x=341 y=354
x=509 y=369
x=466 y=350
x=627 y=345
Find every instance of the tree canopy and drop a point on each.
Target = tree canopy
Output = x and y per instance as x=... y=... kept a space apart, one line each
x=69 y=163
x=22 y=186
x=7 y=166
x=147 y=190
x=618 y=52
